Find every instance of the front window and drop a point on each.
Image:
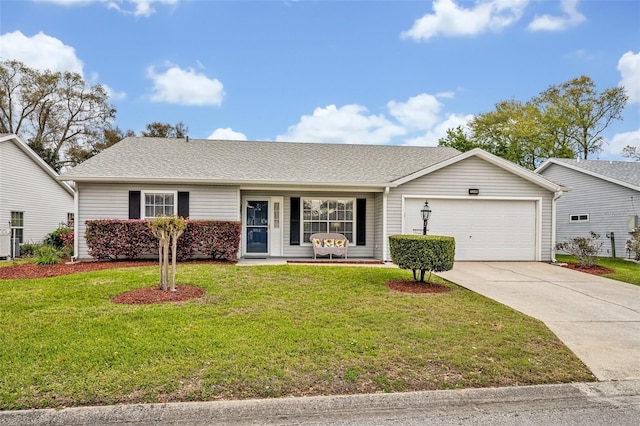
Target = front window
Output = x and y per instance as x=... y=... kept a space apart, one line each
x=159 y=204
x=334 y=215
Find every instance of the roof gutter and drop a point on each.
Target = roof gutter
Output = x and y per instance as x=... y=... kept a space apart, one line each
x=243 y=183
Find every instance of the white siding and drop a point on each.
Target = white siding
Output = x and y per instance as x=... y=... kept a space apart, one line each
x=26 y=187
x=378 y=227
x=111 y=201
x=606 y=203
x=455 y=181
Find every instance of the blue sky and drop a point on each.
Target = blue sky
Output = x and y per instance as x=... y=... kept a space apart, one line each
x=375 y=72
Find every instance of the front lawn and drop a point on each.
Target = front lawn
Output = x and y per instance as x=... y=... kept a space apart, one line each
x=624 y=270
x=267 y=331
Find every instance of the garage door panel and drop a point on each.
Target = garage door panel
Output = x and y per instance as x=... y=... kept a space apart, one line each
x=483 y=229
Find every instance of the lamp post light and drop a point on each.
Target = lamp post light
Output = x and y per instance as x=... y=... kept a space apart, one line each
x=426 y=214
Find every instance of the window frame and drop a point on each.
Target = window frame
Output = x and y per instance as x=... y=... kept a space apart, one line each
x=143 y=204
x=17 y=227
x=352 y=200
x=579 y=218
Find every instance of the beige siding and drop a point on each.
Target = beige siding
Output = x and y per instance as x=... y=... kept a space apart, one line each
x=607 y=204
x=455 y=181
x=26 y=187
x=111 y=201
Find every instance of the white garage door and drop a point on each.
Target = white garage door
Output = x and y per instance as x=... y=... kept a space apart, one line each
x=483 y=229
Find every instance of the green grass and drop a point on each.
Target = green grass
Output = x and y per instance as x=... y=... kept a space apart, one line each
x=268 y=331
x=624 y=270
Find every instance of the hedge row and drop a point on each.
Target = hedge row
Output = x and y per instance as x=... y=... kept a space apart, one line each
x=132 y=239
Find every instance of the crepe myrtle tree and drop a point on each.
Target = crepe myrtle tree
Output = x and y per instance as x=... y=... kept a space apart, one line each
x=167 y=229
x=422 y=253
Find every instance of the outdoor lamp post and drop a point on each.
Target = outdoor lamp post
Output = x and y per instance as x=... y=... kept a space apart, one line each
x=426 y=214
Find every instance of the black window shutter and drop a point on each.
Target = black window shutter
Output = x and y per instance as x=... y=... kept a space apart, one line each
x=183 y=204
x=134 y=204
x=294 y=220
x=361 y=221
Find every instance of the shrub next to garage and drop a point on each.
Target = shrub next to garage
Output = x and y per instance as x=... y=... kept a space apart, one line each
x=422 y=253
x=109 y=239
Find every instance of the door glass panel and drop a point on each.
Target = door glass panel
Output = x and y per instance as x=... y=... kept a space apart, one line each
x=257 y=226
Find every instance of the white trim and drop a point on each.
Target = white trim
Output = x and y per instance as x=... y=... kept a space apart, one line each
x=538 y=207
x=385 y=201
x=579 y=219
x=76 y=223
x=354 y=220
x=143 y=210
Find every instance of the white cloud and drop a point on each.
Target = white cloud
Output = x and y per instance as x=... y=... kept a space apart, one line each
x=227 y=134
x=449 y=19
x=130 y=7
x=185 y=87
x=347 y=124
x=629 y=67
x=419 y=112
x=431 y=137
x=570 y=18
x=40 y=52
x=619 y=141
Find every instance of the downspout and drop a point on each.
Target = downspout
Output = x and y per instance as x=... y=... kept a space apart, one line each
x=556 y=196
x=385 y=195
x=76 y=221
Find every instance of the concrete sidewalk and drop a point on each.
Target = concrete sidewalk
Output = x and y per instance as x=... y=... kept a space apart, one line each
x=597 y=318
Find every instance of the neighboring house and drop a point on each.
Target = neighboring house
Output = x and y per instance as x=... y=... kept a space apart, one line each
x=33 y=202
x=284 y=192
x=605 y=198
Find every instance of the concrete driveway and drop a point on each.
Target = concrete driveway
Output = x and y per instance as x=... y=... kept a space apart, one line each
x=597 y=318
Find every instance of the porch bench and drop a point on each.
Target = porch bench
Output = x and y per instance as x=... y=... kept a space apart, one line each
x=329 y=244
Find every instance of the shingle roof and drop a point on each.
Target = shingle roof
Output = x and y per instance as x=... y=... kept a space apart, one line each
x=207 y=160
x=623 y=171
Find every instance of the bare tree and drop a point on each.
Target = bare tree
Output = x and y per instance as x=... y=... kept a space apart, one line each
x=57 y=113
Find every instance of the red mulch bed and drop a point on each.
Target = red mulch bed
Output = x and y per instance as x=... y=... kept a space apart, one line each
x=31 y=270
x=411 y=286
x=595 y=270
x=148 y=295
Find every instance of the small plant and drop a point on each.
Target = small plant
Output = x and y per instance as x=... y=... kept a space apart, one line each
x=585 y=249
x=29 y=249
x=47 y=255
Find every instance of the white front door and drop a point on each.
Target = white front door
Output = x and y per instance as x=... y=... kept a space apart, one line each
x=275 y=226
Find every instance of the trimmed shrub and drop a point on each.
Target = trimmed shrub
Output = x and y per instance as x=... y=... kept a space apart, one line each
x=132 y=239
x=585 y=249
x=433 y=253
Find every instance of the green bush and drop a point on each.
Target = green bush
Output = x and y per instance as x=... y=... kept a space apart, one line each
x=433 y=253
x=47 y=255
x=59 y=238
x=29 y=249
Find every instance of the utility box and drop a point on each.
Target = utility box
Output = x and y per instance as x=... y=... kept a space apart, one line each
x=5 y=243
x=632 y=222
